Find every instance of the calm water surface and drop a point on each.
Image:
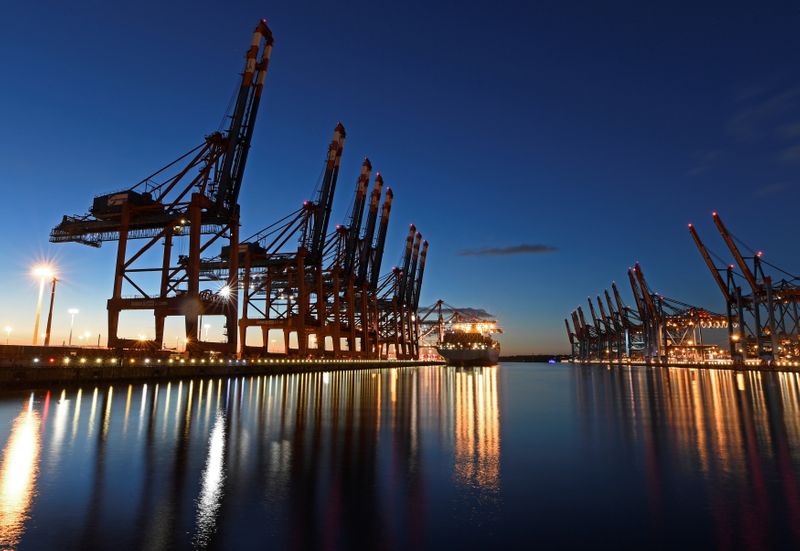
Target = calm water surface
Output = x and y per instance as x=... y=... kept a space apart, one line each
x=521 y=455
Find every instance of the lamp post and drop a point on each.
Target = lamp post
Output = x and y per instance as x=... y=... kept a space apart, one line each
x=43 y=273
x=72 y=312
x=207 y=326
x=8 y=330
x=50 y=312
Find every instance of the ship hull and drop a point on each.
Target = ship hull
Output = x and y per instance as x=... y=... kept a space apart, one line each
x=468 y=357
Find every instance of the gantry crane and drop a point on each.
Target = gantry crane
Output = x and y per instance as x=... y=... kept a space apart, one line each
x=399 y=299
x=297 y=277
x=763 y=320
x=658 y=330
x=193 y=199
x=282 y=268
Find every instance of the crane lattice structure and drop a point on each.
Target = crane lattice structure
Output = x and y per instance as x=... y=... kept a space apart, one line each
x=324 y=293
x=321 y=289
x=194 y=199
x=658 y=330
x=398 y=300
x=763 y=320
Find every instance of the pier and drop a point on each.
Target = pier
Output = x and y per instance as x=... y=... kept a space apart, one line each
x=31 y=366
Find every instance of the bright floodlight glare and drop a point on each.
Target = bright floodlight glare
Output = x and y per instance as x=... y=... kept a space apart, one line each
x=225 y=291
x=43 y=271
x=73 y=311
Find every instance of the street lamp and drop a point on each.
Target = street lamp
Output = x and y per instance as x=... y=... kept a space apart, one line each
x=8 y=330
x=207 y=326
x=50 y=312
x=72 y=312
x=44 y=273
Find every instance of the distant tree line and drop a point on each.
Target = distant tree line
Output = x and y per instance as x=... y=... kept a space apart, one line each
x=534 y=358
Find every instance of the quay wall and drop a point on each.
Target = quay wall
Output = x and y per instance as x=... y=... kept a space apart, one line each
x=82 y=366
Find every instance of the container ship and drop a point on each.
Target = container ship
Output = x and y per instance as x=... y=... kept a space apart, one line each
x=465 y=336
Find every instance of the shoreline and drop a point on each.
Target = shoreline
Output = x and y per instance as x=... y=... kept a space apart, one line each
x=22 y=376
x=725 y=367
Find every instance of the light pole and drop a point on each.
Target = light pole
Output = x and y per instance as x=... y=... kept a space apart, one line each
x=72 y=312
x=8 y=330
x=43 y=273
x=50 y=312
x=206 y=327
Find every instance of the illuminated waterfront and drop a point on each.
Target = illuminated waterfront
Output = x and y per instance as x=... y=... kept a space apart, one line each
x=395 y=458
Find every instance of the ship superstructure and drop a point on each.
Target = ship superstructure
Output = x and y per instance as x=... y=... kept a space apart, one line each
x=463 y=336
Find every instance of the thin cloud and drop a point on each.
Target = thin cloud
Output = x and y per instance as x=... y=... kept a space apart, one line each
x=772 y=189
x=790 y=154
x=791 y=130
x=763 y=118
x=706 y=162
x=505 y=251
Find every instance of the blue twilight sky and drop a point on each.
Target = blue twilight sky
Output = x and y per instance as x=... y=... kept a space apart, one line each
x=597 y=131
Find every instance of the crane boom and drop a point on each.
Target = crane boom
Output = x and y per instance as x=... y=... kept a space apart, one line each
x=602 y=312
x=748 y=275
x=369 y=230
x=583 y=321
x=401 y=289
x=576 y=324
x=418 y=286
x=570 y=336
x=326 y=193
x=710 y=263
x=648 y=299
x=620 y=306
x=354 y=228
x=634 y=287
x=380 y=242
x=240 y=131
x=594 y=317
x=610 y=305
x=410 y=276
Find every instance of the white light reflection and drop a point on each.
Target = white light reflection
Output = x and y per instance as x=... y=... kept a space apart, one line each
x=208 y=501
x=92 y=411
x=76 y=416
x=18 y=473
x=62 y=411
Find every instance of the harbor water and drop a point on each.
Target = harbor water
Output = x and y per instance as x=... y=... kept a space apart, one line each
x=519 y=455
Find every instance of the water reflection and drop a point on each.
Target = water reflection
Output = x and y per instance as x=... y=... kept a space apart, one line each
x=18 y=474
x=734 y=435
x=316 y=459
x=477 y=428
x=213 y=477
x=408 y=458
